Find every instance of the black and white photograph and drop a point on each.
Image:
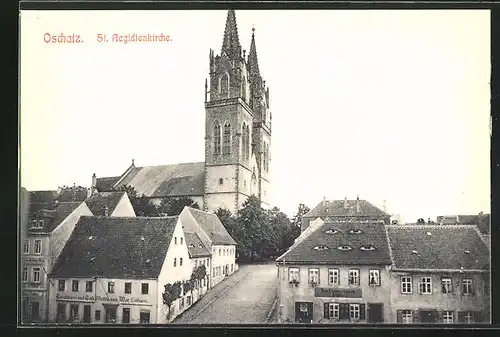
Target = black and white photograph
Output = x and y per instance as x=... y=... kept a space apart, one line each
x=236 y=166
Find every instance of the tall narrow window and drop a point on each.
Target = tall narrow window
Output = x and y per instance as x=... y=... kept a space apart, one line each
x=36 y=275
x=38 y=246
x=354 y=277
x=243 y=142
x=217 y=136
x=244 y=88
x=333 y=277
x=226 y=149
x=247 y=136
x=26 y=248
x=406 y=285
x=224 y=84
x=25 y=274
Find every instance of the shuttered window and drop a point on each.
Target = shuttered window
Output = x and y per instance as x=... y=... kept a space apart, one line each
x=332 y=310
x=405 y=316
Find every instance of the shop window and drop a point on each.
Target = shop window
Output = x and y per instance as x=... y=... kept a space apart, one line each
x=144 y=317
x=354 y=312
x=333 y=311
x=448 y=317
x=111 y=314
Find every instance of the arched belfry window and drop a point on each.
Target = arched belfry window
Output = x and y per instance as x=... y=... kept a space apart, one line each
x=226 y=145
x=224 y=84
x=244 y=88
x=243 y=141
x=217 y=135
x=264 y=116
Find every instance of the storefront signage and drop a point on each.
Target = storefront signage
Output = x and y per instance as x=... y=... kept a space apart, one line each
x=110 y=299
x=34 y=259
x=337 y=292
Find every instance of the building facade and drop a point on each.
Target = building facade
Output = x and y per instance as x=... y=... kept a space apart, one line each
x=237 y=138
x=114 y=270
x=336 y=272
x=440 y=274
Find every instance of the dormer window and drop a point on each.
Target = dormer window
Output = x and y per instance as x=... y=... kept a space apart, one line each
x=355 y=231
x=321 y=247
x=367 y=247
x=191 y=246
x=332 y=231
x=345 y=248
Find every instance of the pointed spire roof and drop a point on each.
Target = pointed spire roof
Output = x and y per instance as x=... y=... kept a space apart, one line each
x=253 y=62
x=231 y=43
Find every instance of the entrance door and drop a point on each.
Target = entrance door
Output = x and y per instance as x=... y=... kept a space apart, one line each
x=303 y=312
x=111 y=315
x=86 y=314
x=375 y=312
x=35 y=311
x=25 y=310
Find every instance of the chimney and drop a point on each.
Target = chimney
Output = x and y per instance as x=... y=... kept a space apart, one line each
x=345 y=203
x=384 y=207
x=93 y=188
x=324 y=200
x=358 y=209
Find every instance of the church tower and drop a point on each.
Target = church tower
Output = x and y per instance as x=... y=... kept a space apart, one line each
x=237 y=138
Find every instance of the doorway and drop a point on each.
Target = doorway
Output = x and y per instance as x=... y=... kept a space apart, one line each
x=375 y=313
x=428 y=316
x=35 y=311
x=86 y=314
x=303 y=312
x=110 y=314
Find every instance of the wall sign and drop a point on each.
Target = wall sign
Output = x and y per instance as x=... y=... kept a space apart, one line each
x=110 y=299
x=338 y=292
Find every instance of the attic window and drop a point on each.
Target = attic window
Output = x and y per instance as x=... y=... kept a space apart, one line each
x=345 y=248
x=414 y=252
x=91 y=237
x=429 y=233
x=355 y=231
x=92 y=259
x=148 y=260
x=332 y=231
x=142 y=238
x=467 y=251
x=367 y=247
x=200 y=246
x=321 y=248
x=191 y=245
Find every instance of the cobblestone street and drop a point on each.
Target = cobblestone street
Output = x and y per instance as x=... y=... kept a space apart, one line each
x=246 y=297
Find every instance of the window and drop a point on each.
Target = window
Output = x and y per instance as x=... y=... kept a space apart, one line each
x=181 y=303
x=333 y=310
x=425 y=286
x=374 y=277
x=111 y=287
x=246 y=147
x=61 y=312
x=446 y=286
x=293 y=274
x=314 y=276
x=61 y=285
x=226 y=148
x=213 y=272
x=38 y=246
x=217 y=136
x=144 y=317
x=175 y=261
x=73 y=312
x=465 y=317
x=188 y=300
x=98 y=315
x=219 y=251
x=126 y=315
x=180 y=261
x=40 y=223
x=333 y=277
x=36 y=275
x=467 y=288
x=34 y=223
x=74 y=285
x=88 y=287
x=354 y=277
x=128 y=287
x=354 y=312
x=406 y=285
x=26 y=247
x=221 y=181
x=448 y=317
x=144 y=288
x=25 y=274
x=224 y=84
x=407 y=316
x=182 y=240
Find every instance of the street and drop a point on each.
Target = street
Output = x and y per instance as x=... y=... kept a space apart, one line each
x=246 y=297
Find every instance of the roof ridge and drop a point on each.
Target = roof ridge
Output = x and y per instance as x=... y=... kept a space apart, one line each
x=430 y=226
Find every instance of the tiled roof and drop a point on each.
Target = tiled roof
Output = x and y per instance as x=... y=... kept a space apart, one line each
x=71 y=194
x=213 y=227
x=116 y=247
x=55 y=215
x=35 y=207
x=42 y=196
x=105 y=184
x=336 y=208
x=446 y=248
x=195 y=246
x=185 y=179
x=97 y=201
x=333 y=235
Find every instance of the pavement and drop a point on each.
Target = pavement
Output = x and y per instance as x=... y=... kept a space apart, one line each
x=246 y=297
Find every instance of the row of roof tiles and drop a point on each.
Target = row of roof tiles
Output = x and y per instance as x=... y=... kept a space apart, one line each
x=421 y=247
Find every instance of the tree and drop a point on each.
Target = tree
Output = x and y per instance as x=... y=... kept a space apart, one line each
x=175 y=205
x=170 y=294
x=297 y=219
x=252 y=225
x=141 y=204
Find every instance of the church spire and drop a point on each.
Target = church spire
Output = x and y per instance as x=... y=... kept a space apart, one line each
x=253 y=62
x=231 y=43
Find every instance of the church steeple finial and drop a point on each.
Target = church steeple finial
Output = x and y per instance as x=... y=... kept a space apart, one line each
x=231 y=43
x=253 y=62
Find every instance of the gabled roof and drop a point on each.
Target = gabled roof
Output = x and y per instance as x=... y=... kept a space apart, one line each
x=336 y=208
x=116 y=247
x=212 y=226
x=184 y=179
x=105 y=183
x=196 y=248
x=55 y=215
x=438 y=247
x=333 y=235
x=98 y=201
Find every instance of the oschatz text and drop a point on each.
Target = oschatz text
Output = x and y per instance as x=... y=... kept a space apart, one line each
x=61 y=38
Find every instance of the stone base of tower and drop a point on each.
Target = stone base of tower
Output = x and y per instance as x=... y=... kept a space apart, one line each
x=220 y=200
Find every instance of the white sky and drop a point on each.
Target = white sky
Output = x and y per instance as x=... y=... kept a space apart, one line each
x=389 y=105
